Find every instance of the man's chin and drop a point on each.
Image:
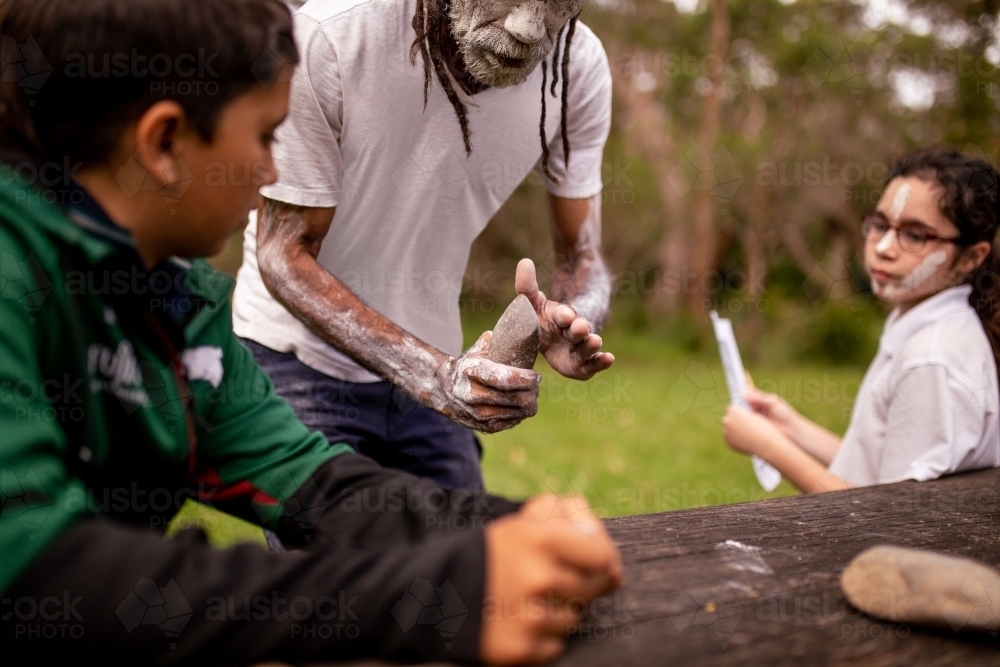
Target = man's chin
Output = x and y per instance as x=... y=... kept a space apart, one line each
x=496 y=75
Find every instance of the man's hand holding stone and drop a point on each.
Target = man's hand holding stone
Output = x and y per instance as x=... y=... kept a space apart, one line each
x=484 y=395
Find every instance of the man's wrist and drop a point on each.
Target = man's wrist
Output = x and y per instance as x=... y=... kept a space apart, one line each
x=422 y=372
x=593 y=302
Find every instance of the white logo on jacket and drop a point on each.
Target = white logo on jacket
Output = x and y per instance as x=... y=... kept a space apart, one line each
x=203 y=363
x=116 y=371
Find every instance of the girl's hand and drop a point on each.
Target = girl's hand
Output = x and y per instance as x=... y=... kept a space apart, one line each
x=748 y=432
x=772 y=406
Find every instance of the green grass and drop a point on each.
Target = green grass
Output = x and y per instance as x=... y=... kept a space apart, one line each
x=644 y=436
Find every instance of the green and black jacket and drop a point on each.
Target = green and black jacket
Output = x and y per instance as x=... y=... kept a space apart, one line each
x=123 y=392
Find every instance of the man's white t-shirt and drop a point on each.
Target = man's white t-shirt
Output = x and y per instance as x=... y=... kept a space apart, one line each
x=409 y=202
x=928 y=405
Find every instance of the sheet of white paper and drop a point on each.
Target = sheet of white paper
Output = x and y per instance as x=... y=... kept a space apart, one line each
x=732 y=366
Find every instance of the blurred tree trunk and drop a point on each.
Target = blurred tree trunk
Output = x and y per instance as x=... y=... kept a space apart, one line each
x=755 y=265
x=647 y=136
x=702 y=251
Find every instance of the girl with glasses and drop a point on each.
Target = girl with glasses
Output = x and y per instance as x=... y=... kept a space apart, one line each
x=928 y=405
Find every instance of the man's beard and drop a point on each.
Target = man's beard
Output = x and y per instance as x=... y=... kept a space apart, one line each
x=491 y=55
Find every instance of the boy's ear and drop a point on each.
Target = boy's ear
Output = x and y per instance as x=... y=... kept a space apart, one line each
x=156 y=135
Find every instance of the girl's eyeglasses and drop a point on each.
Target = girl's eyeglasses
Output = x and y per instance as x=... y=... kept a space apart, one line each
x=911 y=239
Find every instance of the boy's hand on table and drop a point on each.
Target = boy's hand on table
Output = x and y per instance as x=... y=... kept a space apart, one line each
x=749 y=432
x=552 y=552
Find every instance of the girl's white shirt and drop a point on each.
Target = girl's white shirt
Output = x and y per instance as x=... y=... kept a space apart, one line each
x=929 y=403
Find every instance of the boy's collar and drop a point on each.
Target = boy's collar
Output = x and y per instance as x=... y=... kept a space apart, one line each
x=96 y=236
x=88 y=214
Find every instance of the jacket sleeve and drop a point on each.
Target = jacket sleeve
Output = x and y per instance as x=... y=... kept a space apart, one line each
x=40 y=498
x=250 y=443
x=119 y=594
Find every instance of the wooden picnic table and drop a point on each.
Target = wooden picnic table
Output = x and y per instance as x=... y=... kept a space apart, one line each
x=758 y=583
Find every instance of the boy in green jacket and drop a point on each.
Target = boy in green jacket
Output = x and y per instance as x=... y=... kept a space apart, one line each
x=135 y=134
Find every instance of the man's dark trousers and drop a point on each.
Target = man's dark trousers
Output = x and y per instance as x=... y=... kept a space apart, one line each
x=377 y=419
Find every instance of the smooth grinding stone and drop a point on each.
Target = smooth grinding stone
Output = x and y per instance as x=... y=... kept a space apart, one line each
x=924 y=588
x=516 y=335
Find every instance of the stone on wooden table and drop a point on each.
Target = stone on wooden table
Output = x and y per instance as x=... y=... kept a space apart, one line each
x=516 y=336
x=924 y=588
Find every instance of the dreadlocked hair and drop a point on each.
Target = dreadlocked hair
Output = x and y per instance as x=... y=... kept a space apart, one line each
x=430 y=23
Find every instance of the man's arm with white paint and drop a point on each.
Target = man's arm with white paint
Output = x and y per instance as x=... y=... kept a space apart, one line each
x=581 y=290
x=471 y=389
x=581 y=278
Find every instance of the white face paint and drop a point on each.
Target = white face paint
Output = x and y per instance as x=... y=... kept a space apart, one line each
x=502 y=41
x=886 y=241
x=910 y=285
x=899 y=201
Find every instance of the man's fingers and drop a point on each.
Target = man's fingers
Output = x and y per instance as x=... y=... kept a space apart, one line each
x=564 y=316
x=588 y=346
x=577 y=330
x=484 y=397
x=498 y=376
x=481 y=346
x=526 y=283
x=596 y=363
x=495 y=425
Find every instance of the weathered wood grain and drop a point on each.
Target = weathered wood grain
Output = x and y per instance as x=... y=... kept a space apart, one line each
x=758 y=583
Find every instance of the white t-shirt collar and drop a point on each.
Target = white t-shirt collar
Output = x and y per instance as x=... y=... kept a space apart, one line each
x=899 y=329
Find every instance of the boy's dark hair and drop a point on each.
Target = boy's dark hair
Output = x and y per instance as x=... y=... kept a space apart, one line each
x=80 y=71
x=969 y=200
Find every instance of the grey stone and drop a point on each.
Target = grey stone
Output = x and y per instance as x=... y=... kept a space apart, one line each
x=924 y=588
x=516 y=336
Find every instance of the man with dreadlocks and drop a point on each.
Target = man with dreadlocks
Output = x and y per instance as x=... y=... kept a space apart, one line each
x=410 y=123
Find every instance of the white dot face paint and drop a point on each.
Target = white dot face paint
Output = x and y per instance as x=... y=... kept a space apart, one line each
x=899 y=201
